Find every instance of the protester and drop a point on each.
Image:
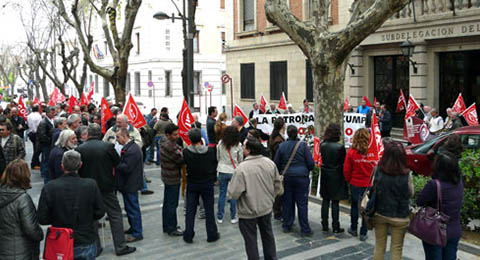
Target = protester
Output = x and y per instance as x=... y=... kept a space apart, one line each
x=436 y=122
x=44 y=139
x=273 y=110
x=220 y=126
x=77 y=110
x=305 y=108
x=256 y=177
x=237 y=122
x=151 y=121
x=229 y=156
x=253 y=125
x=99 y=158
x=112 y=121
x=393 y=187
x=33 y=120
x=73 y=202
x=12 y=145
x=290 y=109
x=296 y=180
x=59 y=124
x=130 y=181
x=201 y=165
x=171 y=161
x=255 y=111
x=333 y=187
x=385 y=121
x=453 y=144
x=21 y=234
x=97 y=118
x=198 y=125
x=276 y=138
x=66 y=141
x=74 y=121
x=448 y=119
x=447 y=172
x=456 y=121
x=160 y=130
x=212 y=114
x=122 y=122
x=357 y=171
x=350 y=108
x=18 y=123
x=427 y=114
x=82 y=134
x=363 y=108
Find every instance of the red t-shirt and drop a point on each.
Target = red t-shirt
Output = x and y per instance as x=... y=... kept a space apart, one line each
x=357 y=169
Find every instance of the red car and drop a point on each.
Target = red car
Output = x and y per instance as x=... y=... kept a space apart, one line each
x=420 y=156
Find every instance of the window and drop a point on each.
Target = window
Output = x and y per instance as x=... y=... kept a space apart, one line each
x=168 y=83
x=247 y=80
x=278 y=79
x=150 y=89
x=471 y=141
x=223 y=41
x=129 y=83
x=96 y=84
x=138 y=42
x=309 y=81
x=167 y=39
x=224 y=86
x=106 y=89
x=222 y=4
x=196 y=40
x=106 y=47
x=249 y=15
x=137 y=84
x=197 y=79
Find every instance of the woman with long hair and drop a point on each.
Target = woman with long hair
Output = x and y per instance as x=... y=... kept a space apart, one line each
x=393 y=187
x=276 y=138
x=333 y=187
x=357 y=171
x=67 y=140
x=220 y=126
x=447 y=172
x=21 y=234
x=229 y=155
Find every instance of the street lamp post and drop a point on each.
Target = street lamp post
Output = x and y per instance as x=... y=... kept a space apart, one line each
x=187 y=52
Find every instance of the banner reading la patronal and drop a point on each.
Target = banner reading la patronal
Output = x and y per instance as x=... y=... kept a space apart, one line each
x=305 y=123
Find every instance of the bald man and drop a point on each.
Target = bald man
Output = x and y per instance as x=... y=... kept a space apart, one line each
x=18 y=122
x=122 y=122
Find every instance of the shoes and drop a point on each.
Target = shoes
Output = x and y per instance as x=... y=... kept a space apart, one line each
x=99 y=251
x=307 y=234
x=202 y=216
x=325 y=228
x=352 y=232
x=126 y=250
x=338 y=230
x=363 y=237
x=213 y=240
x=219 y=221
x=234 y=221
x=147 y=192
x=131 y=239
x=148 y=163
x=188 y=241
x=176 y=233
x=278 y=217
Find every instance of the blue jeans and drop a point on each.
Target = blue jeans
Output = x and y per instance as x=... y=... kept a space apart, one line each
x=169 y=210
x=357 y=193
x=145 y=188
x=194 y=192
x=296 y=193
x=224 y=179
x=449 y=252
x=132 y=207
x=157 y=144
x=85 y=252
x=45 y=149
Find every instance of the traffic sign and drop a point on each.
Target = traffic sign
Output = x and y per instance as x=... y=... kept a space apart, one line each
x=226 y=78
x=150 y=83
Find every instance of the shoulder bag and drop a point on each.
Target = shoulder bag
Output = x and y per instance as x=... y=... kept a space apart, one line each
x=231 y=159
x=282 y=188
x=429 y=224
x=367 y=203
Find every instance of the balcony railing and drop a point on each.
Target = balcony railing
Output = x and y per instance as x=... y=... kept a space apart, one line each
x=430 y=7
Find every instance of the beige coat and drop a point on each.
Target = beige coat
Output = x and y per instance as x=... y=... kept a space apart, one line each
x=254 y=185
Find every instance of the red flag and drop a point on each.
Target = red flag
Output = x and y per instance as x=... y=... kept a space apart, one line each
x=401 y=103
x=412 y=107
x=72 y=101
x=317 y=157
x=375 y=147
x=133 y=113
x=53 y=97
x=283 y=102
x=90 y=92
x=375 y=101
x=237 y=111
x=83 y=100
x=22 y=110
x=345 y=105
x=185 y=121
x=37 y=102
x=367 y=101
x=459 y=105
x=263 y=104
x=470 y=115
x=61 y=97
x=106 y=114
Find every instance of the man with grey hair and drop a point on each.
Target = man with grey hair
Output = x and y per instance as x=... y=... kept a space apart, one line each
x=238 y=123
x=436 y=122
x=456 y=121
x=59 y=124
x=122 y=122
x=74 y=121
x=99 y=159
x=73 y=202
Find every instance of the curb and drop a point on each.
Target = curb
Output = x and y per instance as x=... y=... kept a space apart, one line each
x=463 y=246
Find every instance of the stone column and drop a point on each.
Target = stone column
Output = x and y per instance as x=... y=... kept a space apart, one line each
x=357 y=79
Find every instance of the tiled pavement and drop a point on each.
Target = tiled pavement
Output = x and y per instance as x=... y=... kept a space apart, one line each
x=157 y=245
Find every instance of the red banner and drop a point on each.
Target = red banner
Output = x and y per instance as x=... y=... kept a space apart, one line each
x=345 y=105
x=61 y=97
x=283 y=102
x=412 y=107
x=22 y=110
x=185 y=121
x=263 y=104
x=53 y=98
x=470 y=115
x=83 y=100
x=415 y=131
x=90 y=92
x=72 y=101
x=317 y=157
x=459 y=105
x=237 y=111
x=133 y=113
x=401 y=103
x=367 y=101
x=375 y=147
x=106 y=114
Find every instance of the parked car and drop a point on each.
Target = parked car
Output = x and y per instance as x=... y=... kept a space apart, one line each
x=420 y=157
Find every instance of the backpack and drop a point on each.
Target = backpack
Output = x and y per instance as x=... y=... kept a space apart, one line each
x=58 y=244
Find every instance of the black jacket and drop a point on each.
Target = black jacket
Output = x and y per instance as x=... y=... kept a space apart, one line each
x=263 y=135
x=211 y=130
x=54 y=163
x=72 y=202
x=3 y=162
x=45 y=132
x=201 y=164
x=129 y=171
x=243 y=134
x=386 y=121
x=392 y=195
x=332 y=182
x=16 y=122
x=20 y=234
x=99 y=158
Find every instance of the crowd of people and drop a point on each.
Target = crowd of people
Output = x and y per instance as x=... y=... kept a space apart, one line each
x=83 y=169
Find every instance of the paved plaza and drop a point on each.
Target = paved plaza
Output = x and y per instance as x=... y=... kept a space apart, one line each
x=157 y=245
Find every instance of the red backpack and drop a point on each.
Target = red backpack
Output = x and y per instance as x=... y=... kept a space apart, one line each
x=58 y=244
